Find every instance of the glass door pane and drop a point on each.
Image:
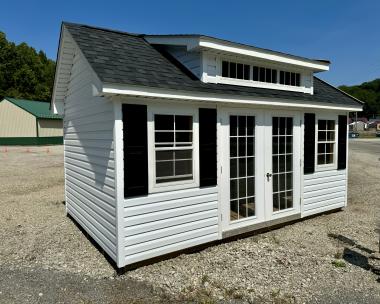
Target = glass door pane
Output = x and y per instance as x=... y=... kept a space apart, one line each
x=282 y=163
x=242 y=167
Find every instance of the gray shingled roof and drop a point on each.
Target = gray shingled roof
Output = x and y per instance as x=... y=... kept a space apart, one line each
x=125 y=58
x=240 y=44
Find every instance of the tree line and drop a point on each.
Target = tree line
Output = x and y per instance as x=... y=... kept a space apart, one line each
x=369 y=92
x=24 y=72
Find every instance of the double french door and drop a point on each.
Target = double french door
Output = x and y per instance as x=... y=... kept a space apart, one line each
x=260 y=163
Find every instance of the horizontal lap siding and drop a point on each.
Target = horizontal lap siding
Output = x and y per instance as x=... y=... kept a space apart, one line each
x=323 y=191
x=166 y=222
x=191 y=60
x=89 y=157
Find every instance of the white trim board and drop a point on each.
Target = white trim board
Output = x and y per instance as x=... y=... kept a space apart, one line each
x=194 y=43
x=140 y=91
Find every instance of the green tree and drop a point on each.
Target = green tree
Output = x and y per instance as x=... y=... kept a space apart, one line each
x=25 y=73
x=369 y=92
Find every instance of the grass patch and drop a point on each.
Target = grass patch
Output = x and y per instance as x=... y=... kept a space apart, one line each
x=338 y=263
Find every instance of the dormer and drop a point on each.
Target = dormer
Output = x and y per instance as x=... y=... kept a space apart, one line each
x=214 y=60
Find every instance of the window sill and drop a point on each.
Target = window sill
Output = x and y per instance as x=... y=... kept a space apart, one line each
x=329 y=167
x=165 y=187
x=259 y=84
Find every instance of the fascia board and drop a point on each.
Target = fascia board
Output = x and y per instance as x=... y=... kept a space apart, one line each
x=252 y=52
x=138 y=91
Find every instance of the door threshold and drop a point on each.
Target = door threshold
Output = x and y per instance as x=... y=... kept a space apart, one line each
x=258 y=226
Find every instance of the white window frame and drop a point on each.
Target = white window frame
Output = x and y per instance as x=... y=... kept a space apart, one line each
x=267 y=85
x=155 y=187
x=334 y=164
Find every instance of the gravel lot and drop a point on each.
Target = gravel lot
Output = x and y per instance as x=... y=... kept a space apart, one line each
x=45 y=258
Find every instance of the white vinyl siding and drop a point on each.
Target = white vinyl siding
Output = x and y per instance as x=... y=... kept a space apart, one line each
x=89 y=156
x=167 y=222
x=324 y=191
x=191 y=60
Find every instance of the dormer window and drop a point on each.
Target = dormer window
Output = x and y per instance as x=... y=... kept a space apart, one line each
x=264 y=74
x=290 y=78
x=236 y=70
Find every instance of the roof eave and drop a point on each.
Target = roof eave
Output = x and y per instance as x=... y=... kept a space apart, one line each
x=57 y=63
x=110 y=89
x=198 y=42
x=251 y=51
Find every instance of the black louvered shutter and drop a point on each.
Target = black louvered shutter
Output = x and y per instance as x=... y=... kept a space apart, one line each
x=207 y=147
x=309 y=144
x=135 y=150
x=342 y=142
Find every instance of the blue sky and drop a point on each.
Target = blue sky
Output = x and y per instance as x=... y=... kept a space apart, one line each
x=345 y=32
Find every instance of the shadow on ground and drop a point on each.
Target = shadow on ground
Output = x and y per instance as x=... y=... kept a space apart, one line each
x=48 y=286
x=353 y=256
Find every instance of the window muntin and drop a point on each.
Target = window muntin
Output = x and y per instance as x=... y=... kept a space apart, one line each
x=290 y=78
x=282 y=163
x=261 y=74
x=242 y=167
x=174 y=149
x=264 y=74
x=326 y=142
x=236 y=70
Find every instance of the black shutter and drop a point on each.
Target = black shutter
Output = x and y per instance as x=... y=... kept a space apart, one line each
x=207 y=147
x=309 y=143
x=342 y=142
x=135 y=150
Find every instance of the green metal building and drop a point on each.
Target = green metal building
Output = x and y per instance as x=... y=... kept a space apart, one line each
x=29 y=122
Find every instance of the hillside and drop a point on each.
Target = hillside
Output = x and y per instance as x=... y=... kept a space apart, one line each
x=24 y=72
x=369 y=92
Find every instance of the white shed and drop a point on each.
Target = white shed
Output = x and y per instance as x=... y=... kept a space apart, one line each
x=173 y=141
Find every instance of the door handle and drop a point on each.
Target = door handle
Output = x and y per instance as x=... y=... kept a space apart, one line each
x=269 y=175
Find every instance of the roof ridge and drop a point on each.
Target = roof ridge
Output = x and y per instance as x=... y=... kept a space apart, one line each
x=143 y=35
x=23 y=99
x=30 y=107
x=102 y=29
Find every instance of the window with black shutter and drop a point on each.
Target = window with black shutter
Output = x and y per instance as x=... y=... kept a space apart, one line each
x=342 y=142
x=309 y=143
x=207 y=147
x=135 y=150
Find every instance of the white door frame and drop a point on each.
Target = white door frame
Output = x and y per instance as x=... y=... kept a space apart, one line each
x=269 y=214
x=263 y=164
x=224 y=114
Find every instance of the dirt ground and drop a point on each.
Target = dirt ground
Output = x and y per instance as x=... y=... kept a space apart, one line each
x=45 y=258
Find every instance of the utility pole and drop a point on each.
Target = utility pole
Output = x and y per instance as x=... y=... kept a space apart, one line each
x=356 y=121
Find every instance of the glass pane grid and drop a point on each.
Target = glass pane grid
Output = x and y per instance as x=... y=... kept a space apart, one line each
x=326 y=141
x=174 y=159
x=282 y=163
x=261 y=74
x=242 y=162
